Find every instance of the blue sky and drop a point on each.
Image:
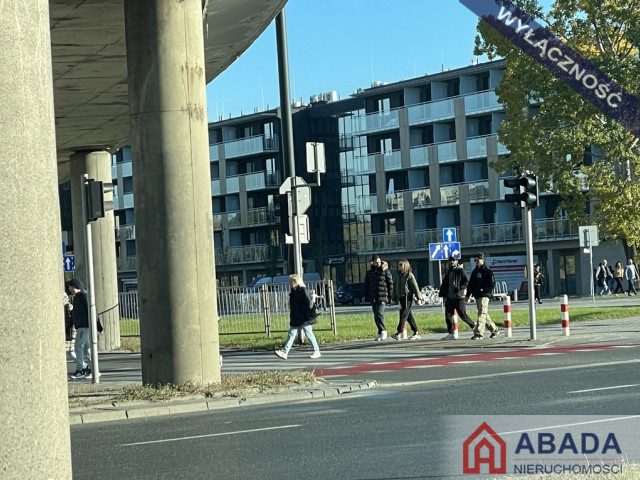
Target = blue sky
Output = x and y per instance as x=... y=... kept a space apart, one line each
x=345 y=44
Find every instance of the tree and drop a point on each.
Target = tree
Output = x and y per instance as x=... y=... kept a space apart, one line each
x=553 y=131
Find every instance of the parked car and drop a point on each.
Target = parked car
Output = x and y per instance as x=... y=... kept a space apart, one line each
x=350 y=293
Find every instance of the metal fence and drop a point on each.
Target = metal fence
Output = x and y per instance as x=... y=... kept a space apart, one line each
x=247 y=310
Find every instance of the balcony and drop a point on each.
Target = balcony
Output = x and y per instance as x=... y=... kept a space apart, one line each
x=482 y=102
x=248 y=254
x=126 y=232
x=127 y=264
x=425 y=237
x=215 y=187
x=395 y=202
x=213 y=153
x=376 y=122
x=392 y=160
x=544 y=230
x=234 y=219
x=479 y=191
x=419 y=156
x=430 y=112
x=366 y=204
x=250 y=146
x=477 y=147
x=261 y=216
x=364 y=164
x=447 y=152
x=421 y=198
x=381 y=242
x=217 y=221
x=450 y=195
x=262 y=180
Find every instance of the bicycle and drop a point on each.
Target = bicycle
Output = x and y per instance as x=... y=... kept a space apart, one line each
x=430 y=295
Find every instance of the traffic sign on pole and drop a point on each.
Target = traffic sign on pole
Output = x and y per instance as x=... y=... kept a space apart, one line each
x=449 y=235
x=443 y=250
x=69 y=263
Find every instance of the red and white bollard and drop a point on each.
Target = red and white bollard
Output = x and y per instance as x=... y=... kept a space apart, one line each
x=404 y=331
x=564 y=315
x=507 y=315
x=455 y=323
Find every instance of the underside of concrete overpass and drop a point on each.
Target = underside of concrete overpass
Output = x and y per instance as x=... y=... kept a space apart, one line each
x=89 y=55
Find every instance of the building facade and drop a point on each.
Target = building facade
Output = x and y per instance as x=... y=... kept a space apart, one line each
x=405 y=162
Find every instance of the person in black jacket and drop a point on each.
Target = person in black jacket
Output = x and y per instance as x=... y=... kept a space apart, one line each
x=453 y=290
x=300 y=302
x=481 y=286
x=378 y=288
x=80 y=316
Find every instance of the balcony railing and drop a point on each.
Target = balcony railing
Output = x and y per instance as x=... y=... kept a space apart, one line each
x=234 y=219
x=434 y=111
x=382 y=242
x=126 y=264
x=126 y=232
x=395 y=202
x=364 y=164
x=447 y=152
x=481 y=102
x=261 y=216
x=392 y=160
x=248 y=254
x=366 y=204
x=262 y=180
x=376 y=122
x=249 y=146
x=544 y=230
x=419 y=156
x=421 y=198
x=479 y=191
x=450 y=195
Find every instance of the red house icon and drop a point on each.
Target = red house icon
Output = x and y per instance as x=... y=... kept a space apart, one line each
x=484 y=446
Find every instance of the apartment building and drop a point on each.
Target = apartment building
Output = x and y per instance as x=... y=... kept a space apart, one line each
x=405 y=161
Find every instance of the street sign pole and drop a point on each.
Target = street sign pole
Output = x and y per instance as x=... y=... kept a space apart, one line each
x=527 y=215
x=93 y=317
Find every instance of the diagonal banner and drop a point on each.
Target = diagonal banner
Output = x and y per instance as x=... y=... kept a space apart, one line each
x=569 y=66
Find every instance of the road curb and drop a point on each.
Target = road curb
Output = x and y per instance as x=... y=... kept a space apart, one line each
x=105 y=413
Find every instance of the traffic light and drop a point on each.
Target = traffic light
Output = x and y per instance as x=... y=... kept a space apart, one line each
x=96 y=203
x=525 y=190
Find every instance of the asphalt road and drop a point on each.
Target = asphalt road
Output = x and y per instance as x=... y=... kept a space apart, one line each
x=405 y=428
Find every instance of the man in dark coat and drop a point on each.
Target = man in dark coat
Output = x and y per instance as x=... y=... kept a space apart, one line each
x=481 y=286
x=453 y=290
x=378 y=287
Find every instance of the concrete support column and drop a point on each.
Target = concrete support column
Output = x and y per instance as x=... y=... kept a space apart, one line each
x=172 y=188
x=34 y=410
x=97 y=165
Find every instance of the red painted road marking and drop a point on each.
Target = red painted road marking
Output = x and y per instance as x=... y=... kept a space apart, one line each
x=455 y=359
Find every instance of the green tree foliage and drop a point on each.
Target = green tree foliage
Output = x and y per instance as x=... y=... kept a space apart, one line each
x=577 y=151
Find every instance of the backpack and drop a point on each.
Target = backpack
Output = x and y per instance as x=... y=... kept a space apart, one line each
x=312 y=312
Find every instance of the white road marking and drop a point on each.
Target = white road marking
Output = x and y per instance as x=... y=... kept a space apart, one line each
x=504 y=374
x=604 y=388
x=615 y=419
x=179 y=439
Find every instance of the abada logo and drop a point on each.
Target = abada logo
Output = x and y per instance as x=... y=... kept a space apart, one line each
x=484 y=446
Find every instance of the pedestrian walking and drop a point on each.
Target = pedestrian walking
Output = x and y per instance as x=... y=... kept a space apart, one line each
x=481 y=284
x=69 y=332
x=405 y=290
x=631 y=274
x=538 y=280
x=80 y=316
x=300 y=305
x=453 y=290
x=378 y=287
x=602 y=278
x=618 y=273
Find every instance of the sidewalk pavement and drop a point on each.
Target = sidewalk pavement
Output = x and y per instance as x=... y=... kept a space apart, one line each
x=613 y=331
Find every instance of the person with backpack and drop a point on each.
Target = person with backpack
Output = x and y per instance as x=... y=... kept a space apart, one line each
x=453 y=290
x=602 y=278
x=405 y=289
x=481 y=286
x=302 y=315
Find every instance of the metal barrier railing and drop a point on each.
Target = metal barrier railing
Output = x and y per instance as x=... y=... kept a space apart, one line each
x=246 y=310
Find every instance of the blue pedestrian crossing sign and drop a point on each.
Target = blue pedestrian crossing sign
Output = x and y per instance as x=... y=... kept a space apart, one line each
x=69 y=263
x=449 y=235
x=442 y=251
